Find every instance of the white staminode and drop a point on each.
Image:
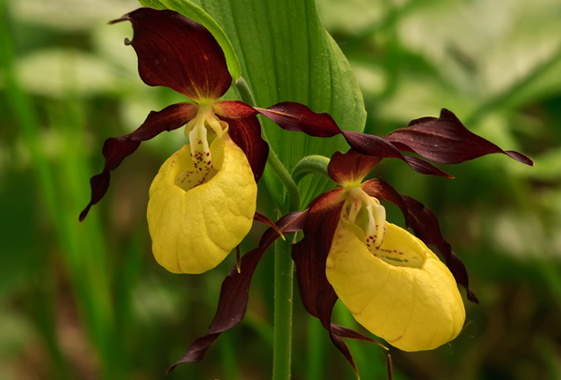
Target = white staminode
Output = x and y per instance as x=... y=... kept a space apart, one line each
x=368 y=214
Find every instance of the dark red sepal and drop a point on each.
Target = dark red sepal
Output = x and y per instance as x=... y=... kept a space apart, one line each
x=245 y=131
x=179 y=53
x=297 y=117
x=350 y=167
x=425 y=226
x=310 y=255
x=234 y=293
x=116 y=149
x=446 y=141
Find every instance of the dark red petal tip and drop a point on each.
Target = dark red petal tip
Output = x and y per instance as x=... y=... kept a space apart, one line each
x=179 y=53
x=116 y=149
x=519 y=157
x=446 y=141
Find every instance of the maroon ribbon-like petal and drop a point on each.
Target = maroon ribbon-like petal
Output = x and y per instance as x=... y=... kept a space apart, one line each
x=245 y=130
x=234 y=293
x=179 y=53
x=310 y=255
x=425 y=225
x=446 y=141
x=297 y=117
x=293 y=116
x=116 y=149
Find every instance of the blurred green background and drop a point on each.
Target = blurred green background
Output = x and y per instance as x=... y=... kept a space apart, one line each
x=88 y=301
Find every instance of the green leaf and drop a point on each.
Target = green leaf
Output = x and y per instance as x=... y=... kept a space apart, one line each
x=286 y=55
x=196 y=13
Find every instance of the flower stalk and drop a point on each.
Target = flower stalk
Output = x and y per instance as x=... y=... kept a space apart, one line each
x=282 y=329
x=283 y=264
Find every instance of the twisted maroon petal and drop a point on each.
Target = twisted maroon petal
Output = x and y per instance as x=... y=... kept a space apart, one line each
x=310 y=255
x=376 y=146
x=425 y=225
x=293 y=116
x=297 y=117
x=116 y=149
x=234 y=293
x=245 y=130
x=179 y=53
x=446 y=141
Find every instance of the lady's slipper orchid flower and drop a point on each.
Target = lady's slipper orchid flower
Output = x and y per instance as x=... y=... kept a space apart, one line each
x=202 y=201
x=393 y=284
x=390 y=281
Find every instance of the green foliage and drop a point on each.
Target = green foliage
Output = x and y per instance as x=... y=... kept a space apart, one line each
x=286 y=55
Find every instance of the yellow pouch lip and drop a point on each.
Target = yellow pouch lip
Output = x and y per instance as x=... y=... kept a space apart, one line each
x=413 y=309
x=193 y=231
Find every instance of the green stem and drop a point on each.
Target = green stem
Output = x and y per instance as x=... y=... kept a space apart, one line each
x=287 y=181
x=284 y=269
x=282 y=333
x=315 y=359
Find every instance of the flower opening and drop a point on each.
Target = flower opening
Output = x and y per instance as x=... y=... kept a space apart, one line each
x=201 y=131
